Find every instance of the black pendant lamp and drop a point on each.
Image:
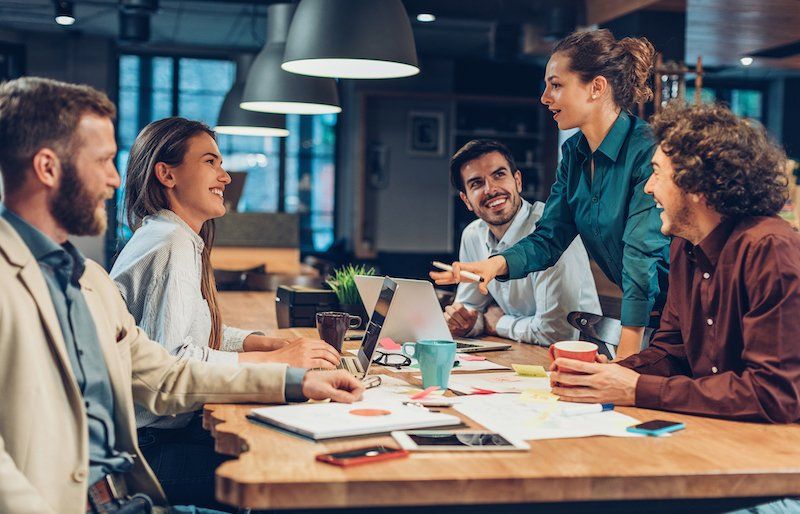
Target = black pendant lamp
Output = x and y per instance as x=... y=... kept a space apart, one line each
x=351 y=39
x=271 y=89
x=234 y=120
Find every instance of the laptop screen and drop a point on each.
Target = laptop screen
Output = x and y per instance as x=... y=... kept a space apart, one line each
x=373 y=332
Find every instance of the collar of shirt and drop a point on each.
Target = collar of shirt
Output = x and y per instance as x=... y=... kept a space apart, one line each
x=516 y=231
x=65 y=259
x=170 y=217
x=613 y=141
x=706 y=253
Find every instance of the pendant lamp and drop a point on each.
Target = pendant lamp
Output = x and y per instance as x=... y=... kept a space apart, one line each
x=234 y=120
x=271 y=89
x=351 y=39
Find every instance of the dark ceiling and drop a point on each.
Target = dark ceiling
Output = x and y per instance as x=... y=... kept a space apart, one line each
x=720 y=30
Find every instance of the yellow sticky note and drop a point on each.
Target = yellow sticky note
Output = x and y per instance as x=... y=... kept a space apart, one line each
x=529 y=370
x=538 y=395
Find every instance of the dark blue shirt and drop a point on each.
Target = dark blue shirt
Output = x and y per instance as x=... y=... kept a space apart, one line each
x=617 y=221
x=62 y=267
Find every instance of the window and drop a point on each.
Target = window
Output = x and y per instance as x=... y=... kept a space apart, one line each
x=746 y=102
x=296 y=175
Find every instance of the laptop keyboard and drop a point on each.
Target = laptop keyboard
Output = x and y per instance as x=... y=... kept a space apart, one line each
x=460 y=345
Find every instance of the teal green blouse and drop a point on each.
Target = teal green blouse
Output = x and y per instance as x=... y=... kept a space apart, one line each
x=618 y=223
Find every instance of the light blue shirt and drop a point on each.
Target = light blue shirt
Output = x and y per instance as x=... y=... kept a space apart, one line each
x=535 y=307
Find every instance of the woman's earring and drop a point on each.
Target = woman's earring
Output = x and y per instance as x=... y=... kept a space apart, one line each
x=594 y=97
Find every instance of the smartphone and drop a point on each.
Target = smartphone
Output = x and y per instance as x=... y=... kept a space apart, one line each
x=443 y=440
x=656 y=427
x=362 y=455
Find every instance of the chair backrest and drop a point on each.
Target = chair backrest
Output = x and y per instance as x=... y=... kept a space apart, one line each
x=601 y=330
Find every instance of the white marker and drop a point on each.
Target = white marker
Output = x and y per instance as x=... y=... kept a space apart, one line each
x=587 y=409
x=467 y=274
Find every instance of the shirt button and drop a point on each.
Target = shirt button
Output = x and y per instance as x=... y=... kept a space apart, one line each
x=79 y=475
x=714 y=369
x=706 y=275
x=710 y=321
x=594 y=199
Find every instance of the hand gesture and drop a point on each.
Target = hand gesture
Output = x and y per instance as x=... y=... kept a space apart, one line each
x=340 y=386
x=487 y=269
x=460 y=319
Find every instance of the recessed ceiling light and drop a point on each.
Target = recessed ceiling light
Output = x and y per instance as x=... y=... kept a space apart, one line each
x=746 y=61
x=426 y=17
x=64 y=12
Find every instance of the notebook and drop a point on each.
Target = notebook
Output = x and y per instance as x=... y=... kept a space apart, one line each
x=328 y=420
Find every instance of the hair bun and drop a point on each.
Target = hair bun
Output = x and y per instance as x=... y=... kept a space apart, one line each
x=641 y=63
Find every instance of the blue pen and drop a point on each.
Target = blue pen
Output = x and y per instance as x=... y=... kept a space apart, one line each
x=587 y=409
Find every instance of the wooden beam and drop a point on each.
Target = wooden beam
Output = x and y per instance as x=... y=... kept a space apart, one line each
x=601 y=11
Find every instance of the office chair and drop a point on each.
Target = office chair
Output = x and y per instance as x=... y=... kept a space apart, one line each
x=602 y=331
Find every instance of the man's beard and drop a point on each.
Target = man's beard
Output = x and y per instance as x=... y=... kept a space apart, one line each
x=515 y=201
x=75 y=208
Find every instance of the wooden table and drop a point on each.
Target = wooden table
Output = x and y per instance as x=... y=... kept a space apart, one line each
x=710 y=459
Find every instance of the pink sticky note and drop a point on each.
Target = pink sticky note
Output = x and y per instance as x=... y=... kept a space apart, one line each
x=480 y=390
x=468 y=357
x=387 y=343
x=424 y=393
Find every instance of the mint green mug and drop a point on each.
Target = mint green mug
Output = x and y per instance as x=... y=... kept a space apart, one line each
x=435 y=359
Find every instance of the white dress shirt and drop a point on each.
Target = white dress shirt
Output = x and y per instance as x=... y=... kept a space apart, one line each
x=535 y=307
x=159 y=273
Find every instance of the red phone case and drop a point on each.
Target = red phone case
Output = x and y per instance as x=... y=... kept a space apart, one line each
x=353 y=461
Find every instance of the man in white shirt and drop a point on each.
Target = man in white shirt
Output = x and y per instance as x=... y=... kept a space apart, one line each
x=533 y=309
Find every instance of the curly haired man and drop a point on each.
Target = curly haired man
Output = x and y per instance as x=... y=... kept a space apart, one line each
x=727 y=343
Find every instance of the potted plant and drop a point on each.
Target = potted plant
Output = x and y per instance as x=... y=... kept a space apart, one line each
x=344 y=285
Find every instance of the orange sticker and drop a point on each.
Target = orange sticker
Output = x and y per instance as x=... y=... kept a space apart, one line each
x=370 y=412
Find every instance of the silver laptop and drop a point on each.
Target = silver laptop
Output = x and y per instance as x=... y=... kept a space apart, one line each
x=416 y=314
x=359 y=364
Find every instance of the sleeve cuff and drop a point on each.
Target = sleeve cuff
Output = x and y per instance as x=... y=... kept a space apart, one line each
x=514 y=264
x=504 y=326
x=635 y=313
x=294 y=385
x=233 y=338
x=648 y=391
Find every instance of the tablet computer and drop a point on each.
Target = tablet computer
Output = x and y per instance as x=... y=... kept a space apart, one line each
x=446 y=440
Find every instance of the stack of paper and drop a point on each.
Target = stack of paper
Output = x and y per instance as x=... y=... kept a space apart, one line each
x=528 y=417
x=327 y=420
x=497 y=382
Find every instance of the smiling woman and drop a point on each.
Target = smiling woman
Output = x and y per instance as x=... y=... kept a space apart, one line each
x=592 y=83
x=175 y=186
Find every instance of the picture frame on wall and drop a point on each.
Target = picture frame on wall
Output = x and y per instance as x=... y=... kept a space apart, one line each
x=426 y=134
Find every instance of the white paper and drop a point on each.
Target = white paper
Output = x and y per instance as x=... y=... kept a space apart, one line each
x=327 y=420
x=518 y=416
x=499 y=382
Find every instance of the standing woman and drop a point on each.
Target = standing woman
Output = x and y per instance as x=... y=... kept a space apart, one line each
x=174 y=188
x=593 y=82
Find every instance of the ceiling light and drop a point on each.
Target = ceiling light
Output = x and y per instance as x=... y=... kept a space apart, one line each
x=426 y=17
x=134 y=27
x=64 y=12
x=746 y=61
x=234 y=120
x=269 y=88
x=378 y=42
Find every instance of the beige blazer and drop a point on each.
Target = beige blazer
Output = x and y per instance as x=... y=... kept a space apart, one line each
x=44 y=454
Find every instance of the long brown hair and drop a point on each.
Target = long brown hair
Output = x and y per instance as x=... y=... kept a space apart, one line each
x=626 y=64
x=167 y=141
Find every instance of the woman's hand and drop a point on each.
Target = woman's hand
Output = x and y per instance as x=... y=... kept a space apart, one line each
x=300 y=353
x=488 y=269
x=630 y=342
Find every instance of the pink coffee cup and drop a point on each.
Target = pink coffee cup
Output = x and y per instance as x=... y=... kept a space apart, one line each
x=578 y=350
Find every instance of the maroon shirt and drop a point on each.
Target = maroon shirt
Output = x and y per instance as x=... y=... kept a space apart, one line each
x=729 y=340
